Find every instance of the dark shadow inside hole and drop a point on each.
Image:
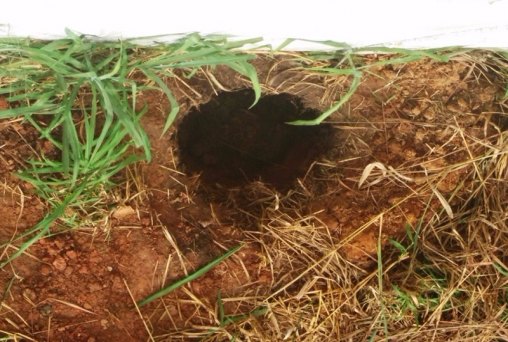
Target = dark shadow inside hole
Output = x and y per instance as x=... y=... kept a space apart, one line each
x=231 y=144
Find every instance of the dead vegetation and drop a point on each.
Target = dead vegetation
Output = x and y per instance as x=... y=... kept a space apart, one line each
x=398 y=232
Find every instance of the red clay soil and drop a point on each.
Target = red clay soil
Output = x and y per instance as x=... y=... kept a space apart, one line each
x=82 y=285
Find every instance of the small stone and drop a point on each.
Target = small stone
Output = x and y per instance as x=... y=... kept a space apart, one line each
x=487 y=95
x=94 y=287
x=104 y=323
x=395 y=148
x=172 y=311
x=46 y=310
x=419 y=136
x=71 y=254
x=3 y=103
x=118 y=284
x=429 y=114
x=409 y=153
x=416 y=111
x=450 y=181
x=68 y=271
x=29 y=294
x=453 y=107
x=59 y=244
x=330 y=221
x=45 y=270
x=463 y=105
x=59 y=263
x=122 y=212
x=84 y=270
x=52 y=250
x=47 y=146
x=87 y=306
x=95 y=257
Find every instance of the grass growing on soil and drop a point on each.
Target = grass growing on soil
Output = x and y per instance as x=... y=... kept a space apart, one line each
x=193 y=276
x=81 y=97
x=449 y=267
x=446 y=279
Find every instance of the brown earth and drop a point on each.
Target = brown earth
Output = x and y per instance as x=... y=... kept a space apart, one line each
x=224 y=174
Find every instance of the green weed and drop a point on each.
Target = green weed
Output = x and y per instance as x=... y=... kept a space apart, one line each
x=193 y=276
x=81 y=96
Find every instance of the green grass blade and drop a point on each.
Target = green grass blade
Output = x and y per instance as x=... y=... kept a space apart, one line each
x=285 y=44
x=249 y=71
x=352 y=89
x=44 y=225
x=200 y=272
x=169 y=61
x=175 y=107
x=501 y=268
x=71 y=146
x=90 y=121
x=257 y=312
x=220 y=304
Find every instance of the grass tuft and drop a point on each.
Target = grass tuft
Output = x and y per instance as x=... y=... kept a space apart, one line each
x=81 y=96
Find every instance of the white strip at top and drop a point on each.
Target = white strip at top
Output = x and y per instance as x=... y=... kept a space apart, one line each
x=360 y=23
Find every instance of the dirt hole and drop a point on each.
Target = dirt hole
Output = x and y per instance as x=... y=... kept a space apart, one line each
x=230 y=144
